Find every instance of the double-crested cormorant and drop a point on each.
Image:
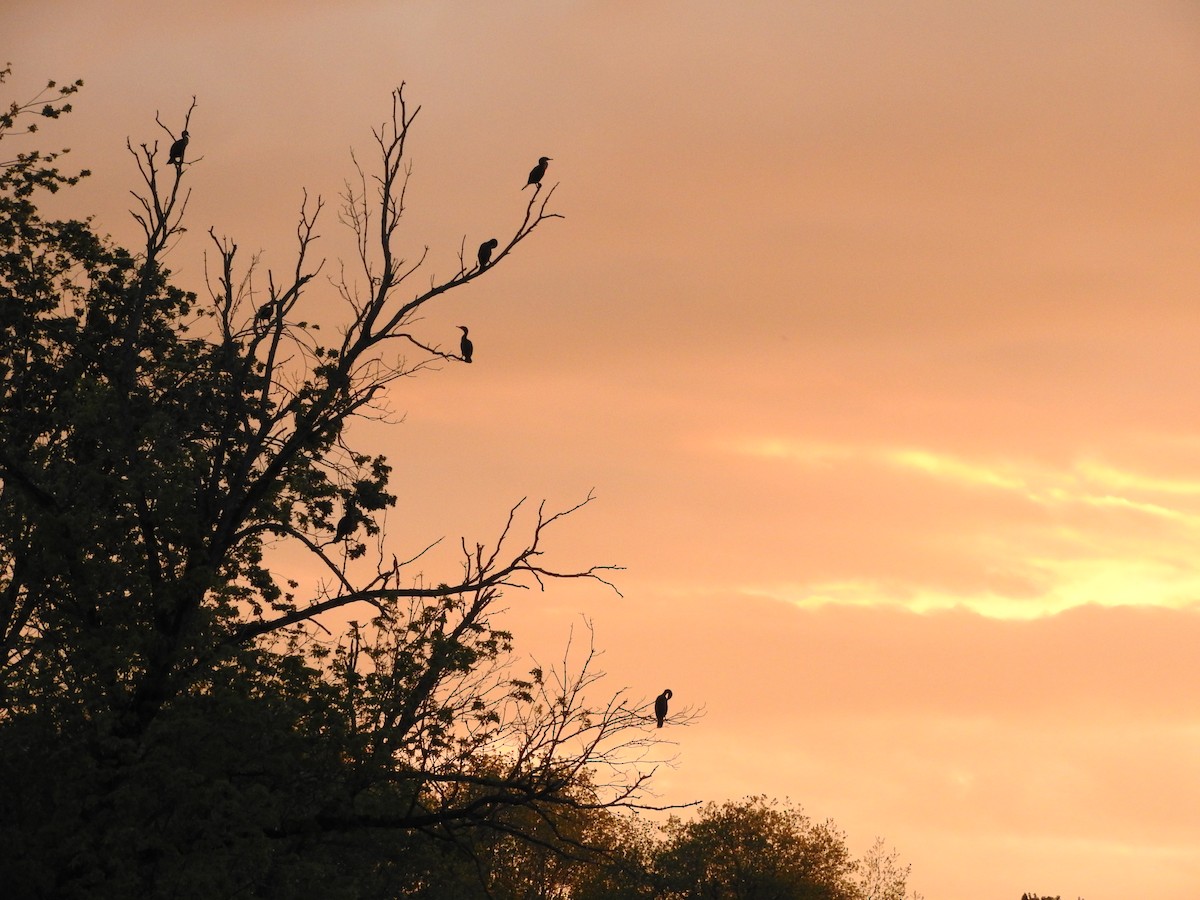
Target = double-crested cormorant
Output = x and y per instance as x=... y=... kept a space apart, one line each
x=485 y=251
x=465 y=345
x=177 y=148
x=660 y=706
x=539 y=172
x=348 y=523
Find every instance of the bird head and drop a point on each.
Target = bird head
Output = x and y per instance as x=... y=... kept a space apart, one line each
x=184 y=134
x=667 y=693
x=545 y=159
x=464 y=328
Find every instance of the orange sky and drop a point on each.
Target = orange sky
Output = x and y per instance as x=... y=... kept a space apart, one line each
x=873 y=325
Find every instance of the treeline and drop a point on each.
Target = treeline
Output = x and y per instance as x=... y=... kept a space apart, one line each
x=751 y=848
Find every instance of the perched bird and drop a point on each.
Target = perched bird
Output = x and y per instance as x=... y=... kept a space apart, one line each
x=660 y=706
x=485 y=251
x=177 y=148
x=347 y=523
x=539 y=172
x=465 y=345
x=265 y=311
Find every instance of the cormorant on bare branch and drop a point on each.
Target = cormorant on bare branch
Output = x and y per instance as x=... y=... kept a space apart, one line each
x=465 y=345
x=177 y=148
x=539 y=172
x=485 y=251
x=660 y=706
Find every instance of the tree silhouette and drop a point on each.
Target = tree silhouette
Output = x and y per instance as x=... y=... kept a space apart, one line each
x=178 y=718
x=750 y=848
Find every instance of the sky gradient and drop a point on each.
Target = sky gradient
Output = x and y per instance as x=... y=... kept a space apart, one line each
x=873 y=326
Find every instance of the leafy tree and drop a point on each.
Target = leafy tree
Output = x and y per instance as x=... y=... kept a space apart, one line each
x=528 y=856
x=881 y=875
x=752 y=848
x=627 y=869
x=175 y=717
x=756 y=849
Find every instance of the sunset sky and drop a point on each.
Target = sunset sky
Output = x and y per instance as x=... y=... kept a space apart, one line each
x=874 y=325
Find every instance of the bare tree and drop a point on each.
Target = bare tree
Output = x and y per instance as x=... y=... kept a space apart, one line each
x=156 y=484
x=434 y=697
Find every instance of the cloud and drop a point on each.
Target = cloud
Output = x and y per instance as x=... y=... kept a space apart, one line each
x=1087 y=532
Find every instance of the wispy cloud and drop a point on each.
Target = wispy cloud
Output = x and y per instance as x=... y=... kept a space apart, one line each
x=1084 y=481
x=1094 y=533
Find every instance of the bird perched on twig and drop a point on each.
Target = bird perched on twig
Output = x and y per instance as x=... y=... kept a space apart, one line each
x=660 y=706
x=485 y=251
x=538 y=172
x=465 y=345
x=177 y=148
x=348 y=523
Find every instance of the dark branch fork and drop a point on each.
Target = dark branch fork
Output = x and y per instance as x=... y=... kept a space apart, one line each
x=480 y=575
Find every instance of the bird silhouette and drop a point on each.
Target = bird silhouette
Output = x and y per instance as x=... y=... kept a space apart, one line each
x=347 y=523
x=538 y=172
x=465 y=345
x=485 y=251
x=177 y=148
x=660 y=706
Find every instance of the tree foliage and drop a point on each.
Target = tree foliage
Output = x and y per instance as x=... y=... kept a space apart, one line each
x=175 y=717
x=738 y=850
x=750 y=848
